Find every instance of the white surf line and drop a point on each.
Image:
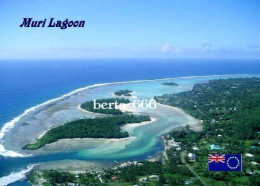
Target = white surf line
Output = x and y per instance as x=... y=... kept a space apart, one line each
x=9 y=153
x=9 y=125
x=228 y=75
x=15 y=176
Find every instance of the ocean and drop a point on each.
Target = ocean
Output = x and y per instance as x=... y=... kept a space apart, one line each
x=27 y=83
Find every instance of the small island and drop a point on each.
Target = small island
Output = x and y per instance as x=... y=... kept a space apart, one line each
x=170 y=83
x=102 y=127
x=229 y=110
x=89 y=105
x=123 y=92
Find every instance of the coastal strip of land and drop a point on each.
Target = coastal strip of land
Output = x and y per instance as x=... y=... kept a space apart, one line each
x=100 y=127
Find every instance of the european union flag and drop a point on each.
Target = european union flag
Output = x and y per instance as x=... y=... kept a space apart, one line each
x=225 y=162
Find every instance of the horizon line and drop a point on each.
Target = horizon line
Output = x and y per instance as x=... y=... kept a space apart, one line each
x=125 y=58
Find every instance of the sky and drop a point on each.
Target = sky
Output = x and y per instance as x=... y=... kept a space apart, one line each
x=132 y=29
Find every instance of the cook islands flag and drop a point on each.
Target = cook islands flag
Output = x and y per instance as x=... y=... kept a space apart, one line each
x=225 y=162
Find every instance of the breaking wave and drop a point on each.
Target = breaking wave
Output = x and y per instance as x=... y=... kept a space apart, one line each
x=15 y=176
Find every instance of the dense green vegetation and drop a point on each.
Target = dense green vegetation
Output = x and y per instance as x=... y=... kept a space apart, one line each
x=54 y=177
x=105 y=127
x=132 y=172
x=123 y=92
x=140 y=174
x=230 y=111
x=168 y=173
x=170 y=83
x=89 y=105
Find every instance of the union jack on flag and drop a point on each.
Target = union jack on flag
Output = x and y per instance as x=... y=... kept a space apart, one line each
x=217 y=158
x=225 y=162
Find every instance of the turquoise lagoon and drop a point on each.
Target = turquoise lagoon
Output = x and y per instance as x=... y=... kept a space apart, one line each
x=145 y=141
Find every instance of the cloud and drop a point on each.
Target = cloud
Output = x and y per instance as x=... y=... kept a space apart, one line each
x=166 y=48
x=205 y=50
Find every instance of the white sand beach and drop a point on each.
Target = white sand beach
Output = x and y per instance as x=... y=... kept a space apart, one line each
x=194 y=123
x=129 y=126
x=83 y=110
x=126 y=107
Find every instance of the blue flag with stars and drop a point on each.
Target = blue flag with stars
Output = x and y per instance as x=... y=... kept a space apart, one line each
x=225 y=162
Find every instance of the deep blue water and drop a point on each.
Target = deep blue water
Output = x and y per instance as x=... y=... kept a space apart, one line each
x=26 y=83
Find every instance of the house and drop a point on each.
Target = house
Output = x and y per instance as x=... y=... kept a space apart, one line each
x=215 y=147
x=176 y=144
x=172 y=143
x=126 y=164
x=153 y=177
x=249 y=155
x=250 y=173
x=187 y=182
x=195 y=148
x=254 y=163
x=73 y=184
x=191 y=156
x=113 y=178
x=253 y=172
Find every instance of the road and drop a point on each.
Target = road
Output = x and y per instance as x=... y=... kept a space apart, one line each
x=188 y=166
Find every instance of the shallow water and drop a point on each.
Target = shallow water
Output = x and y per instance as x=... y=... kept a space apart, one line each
x=147 y=141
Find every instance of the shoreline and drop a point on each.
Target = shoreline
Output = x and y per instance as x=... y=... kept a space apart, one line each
x=129 y=126
x=196 y=124
x=126 y=127
x=16 y=176
x=102 y=139
x=10 y=124
x=66 y=139
x=74 y=166
x=166 y=147
x=126 y=97
x=89 y=112
x=193 y=126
